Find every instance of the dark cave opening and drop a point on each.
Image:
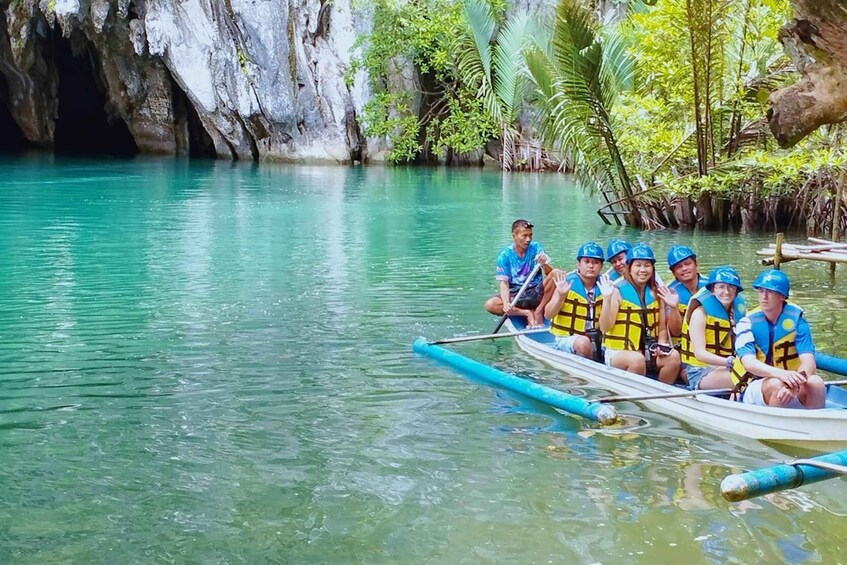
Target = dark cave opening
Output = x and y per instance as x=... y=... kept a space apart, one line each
x=84 y=127
x=12 y=139
x=200 y=144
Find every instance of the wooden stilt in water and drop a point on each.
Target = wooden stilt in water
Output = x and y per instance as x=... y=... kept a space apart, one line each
x=777 y=257
x=836 y=214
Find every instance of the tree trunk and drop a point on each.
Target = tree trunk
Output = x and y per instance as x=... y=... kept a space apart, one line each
x=816 y=41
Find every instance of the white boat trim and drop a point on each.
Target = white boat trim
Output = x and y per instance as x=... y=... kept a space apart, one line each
x=824 y=429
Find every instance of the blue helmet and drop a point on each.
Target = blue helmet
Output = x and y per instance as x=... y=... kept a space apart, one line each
x=678 y=254
x=617 y=246
x=590 y=250
x=774 y=280
x=640 y=251
x=726 y=275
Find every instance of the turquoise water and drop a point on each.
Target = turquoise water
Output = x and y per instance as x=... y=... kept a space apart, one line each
x=209 y=362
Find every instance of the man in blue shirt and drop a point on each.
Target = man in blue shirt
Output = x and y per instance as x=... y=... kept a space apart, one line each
x=514 y=265
x=773 y=345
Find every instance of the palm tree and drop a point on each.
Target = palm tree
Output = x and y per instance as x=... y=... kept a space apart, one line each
x=491 y=62
x=577 y=79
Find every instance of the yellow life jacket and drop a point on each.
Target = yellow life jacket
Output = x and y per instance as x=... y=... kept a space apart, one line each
x=782 y=353
x=575 y=315
x=720 y=339
x=632 y=318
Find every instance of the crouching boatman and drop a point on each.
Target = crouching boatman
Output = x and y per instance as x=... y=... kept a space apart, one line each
x=515 y=264
x=708 y=338
x=633 y=320
x=773 y=347
x=574 y=309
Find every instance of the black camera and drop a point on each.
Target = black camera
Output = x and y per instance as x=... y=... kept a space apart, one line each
x=595 y=336
x=650 y=346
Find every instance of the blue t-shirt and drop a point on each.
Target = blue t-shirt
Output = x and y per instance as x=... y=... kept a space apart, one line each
x=514 y=270
x=746 y=345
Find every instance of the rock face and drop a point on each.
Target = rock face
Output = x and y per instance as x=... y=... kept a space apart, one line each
x=245 y=79
x=816 y=41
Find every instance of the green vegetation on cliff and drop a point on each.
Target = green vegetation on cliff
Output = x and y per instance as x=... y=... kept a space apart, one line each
x=673 y=94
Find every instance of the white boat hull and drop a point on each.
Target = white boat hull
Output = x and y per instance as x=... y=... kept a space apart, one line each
x=824 y=429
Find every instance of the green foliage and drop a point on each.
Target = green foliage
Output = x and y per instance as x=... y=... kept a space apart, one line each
x=654 y=120
x=466 y=127
x=490 y=64
x=577 y=82
x=242 y=60
x=419 y=31
x=422 y=33
x=387 y=115
x=768 y=174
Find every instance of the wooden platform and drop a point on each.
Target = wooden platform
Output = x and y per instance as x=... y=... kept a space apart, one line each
x=816 y=250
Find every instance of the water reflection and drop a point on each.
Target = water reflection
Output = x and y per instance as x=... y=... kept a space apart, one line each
x=217 y=355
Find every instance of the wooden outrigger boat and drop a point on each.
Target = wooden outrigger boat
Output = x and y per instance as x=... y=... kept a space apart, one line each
x=824 y=429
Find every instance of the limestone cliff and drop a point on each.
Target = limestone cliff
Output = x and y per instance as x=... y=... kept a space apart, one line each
x=247 y=79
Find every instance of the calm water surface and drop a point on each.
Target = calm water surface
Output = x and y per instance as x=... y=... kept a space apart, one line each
x=210 y=363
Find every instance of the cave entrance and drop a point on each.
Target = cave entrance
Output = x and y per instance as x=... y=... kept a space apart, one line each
x=200 y=144
x=84 y=127
x=12 y=139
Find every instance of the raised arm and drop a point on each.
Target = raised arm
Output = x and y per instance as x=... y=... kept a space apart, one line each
x=674 y=317
x=562 y=287
x=663 y=336
x=611 y=304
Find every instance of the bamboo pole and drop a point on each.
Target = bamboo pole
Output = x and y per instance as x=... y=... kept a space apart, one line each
x=777 y=257
x=836 y=213
x=791 y=256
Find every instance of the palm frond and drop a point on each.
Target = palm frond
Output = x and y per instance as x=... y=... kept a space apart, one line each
x=510 y=79
x=576 y=82
x=477 y=34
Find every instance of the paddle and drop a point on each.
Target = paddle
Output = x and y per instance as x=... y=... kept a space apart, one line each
x=486 y=336
x=517 y=296
x=681 y=394
x=832 y=467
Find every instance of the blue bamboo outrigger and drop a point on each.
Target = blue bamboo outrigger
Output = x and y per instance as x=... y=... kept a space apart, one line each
x=822 y=430
x=781 y=477
x=594 y=411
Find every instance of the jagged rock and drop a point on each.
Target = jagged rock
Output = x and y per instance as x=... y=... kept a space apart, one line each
x=30 y=79
x=816 y=41
x=263 y=82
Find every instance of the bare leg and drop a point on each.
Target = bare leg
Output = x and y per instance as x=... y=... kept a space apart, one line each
x=531 y=320
x=668 y=367
x=813 y=393
x=494 y=305
x=582 y=347
x=631 y=361
x=549 y=286
x=716 y=378
x=770 y=392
